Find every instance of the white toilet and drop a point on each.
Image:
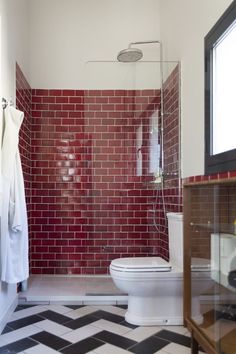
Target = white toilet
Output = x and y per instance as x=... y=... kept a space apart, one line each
x=154 y=286
x=223 y=258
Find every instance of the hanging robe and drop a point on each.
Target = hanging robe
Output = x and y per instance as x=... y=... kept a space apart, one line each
x=14 y=227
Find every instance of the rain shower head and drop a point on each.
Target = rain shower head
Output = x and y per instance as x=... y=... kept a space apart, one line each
x=129 y=55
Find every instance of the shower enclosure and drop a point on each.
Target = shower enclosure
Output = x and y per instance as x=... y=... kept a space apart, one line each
x=97 y=191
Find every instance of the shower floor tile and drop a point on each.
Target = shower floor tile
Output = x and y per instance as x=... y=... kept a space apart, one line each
x=73 y=289
x=99 y=329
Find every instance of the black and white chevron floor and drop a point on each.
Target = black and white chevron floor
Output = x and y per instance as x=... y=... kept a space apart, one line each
x=77 y=329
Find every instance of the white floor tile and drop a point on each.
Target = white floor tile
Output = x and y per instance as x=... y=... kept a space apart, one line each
x=52 y=327
x=27 y=312
x=81 y=333
x=58 y=308
x=174 y=348
x=20 y=334
x=177 y=329
x=111 y=327
x=2 y=341
x=83 y=311
x=112 y=309
x=141 y=333
x=110 y=349
x=40 y=349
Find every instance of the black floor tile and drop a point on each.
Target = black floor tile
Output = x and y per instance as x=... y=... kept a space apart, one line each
x=84 y=346
x=108 y=316
x=226 y=315
x=229 y=305
x=7 y=329
x=174 y=337
x=122 y=306
x=149 y=345
x=54 y=316
x=26 y=321
x=18 y=346
x=23 y=307
x=80 y=322
x=129 y=325
x=50 y=340
x=74 y=307
x=115 y=339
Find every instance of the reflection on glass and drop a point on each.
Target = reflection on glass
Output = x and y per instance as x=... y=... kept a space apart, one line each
x=154 y=145
x=213 y=264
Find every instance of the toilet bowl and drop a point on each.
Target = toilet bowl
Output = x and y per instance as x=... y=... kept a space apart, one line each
x=155 y=286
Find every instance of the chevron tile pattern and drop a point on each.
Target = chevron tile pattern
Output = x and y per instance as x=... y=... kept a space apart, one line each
x=51 y=329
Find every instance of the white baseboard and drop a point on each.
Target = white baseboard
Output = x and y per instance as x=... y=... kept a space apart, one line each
x=5 y=318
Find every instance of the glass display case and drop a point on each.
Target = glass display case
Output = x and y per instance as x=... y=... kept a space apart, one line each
x=210 y=265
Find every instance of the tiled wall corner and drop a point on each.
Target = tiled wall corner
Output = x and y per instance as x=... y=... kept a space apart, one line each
x=23 y=103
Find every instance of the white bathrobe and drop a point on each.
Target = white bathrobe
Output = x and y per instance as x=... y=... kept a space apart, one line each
x=14 y=227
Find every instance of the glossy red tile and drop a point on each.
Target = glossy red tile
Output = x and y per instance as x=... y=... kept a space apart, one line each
x=85 y=192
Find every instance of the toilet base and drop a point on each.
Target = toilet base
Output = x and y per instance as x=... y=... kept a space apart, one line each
x=153 y=311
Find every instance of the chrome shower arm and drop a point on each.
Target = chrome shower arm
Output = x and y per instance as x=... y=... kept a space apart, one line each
x=144 y=42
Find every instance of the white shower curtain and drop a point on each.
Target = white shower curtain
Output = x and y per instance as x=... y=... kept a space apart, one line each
x=14 y=227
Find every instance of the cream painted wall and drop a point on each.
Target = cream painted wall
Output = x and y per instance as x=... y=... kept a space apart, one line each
x=65 y=34
x=14 y=42
x=14 y=47
x=184 y=23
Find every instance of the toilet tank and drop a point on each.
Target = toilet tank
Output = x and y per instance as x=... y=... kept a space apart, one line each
x=175 y=230
x=223 y=255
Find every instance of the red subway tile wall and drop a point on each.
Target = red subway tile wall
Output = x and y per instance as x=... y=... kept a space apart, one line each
x=89 y=203
x=213 y=177
x=87 y=177
x=168 y=198
x=23 y=103
x=209 y=204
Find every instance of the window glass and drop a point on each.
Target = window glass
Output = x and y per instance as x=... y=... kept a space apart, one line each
x=220 y=94
x=224 y=88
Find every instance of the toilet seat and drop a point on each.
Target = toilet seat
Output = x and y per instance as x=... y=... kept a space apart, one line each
x=140 y=264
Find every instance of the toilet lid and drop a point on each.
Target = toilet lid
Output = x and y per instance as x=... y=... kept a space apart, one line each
x=141 y=264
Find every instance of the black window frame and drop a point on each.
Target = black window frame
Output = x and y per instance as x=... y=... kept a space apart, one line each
x=225 y=161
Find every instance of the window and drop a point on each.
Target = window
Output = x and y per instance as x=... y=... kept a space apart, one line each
x=220 y=94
